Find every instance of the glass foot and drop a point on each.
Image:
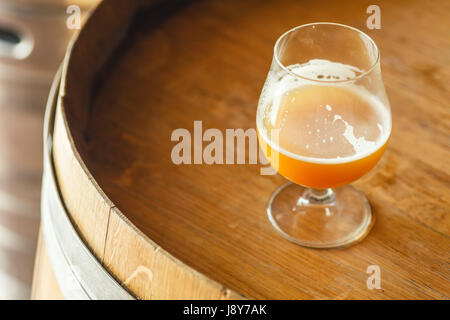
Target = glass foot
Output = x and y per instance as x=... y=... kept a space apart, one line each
x=320 y=218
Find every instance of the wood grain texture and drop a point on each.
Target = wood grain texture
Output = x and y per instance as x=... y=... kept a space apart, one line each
x=152 y=274
x=207 y=61
x=82 y=199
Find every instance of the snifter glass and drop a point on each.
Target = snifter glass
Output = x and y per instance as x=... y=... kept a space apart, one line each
x=323 y=121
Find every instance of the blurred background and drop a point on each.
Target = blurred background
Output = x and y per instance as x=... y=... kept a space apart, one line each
x=34 y=35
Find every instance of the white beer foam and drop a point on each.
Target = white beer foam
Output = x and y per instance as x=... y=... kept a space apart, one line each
x=360 y=145
x=325 y=70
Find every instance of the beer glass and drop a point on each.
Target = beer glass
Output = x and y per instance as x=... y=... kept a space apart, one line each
x=323 y=121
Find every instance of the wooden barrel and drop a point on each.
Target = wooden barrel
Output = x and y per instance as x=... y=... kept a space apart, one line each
x=122 y=220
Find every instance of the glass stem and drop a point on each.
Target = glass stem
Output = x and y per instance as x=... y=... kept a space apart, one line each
x=320 y=196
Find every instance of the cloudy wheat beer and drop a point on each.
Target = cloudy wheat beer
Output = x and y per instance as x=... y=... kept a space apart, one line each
x=323 y=121
x=327 y=135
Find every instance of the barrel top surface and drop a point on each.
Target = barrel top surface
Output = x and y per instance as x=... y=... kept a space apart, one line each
x=207 y=61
